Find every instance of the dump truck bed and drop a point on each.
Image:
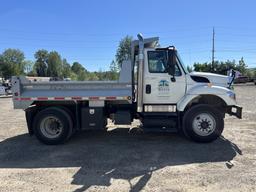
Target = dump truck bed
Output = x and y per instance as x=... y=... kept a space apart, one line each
x=26 y=91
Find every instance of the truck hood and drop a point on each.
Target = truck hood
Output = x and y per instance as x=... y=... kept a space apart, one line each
x=215 y=79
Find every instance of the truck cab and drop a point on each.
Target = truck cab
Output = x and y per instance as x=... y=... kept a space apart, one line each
x=170 y=97
x=162 y=87
x=154 y=87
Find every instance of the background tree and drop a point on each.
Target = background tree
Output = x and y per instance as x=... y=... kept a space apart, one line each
x=77 y=67
x=1 y=67
x=93 y=76
x=12 y=63
x=241 y=66
x=221 y=67
x=54 y=67
x=28 y=67
x=254 y=73
x=80 y=72
x=81 y=76
x=189 y=69
x=100 y=75
x=114 y=71
x=66 y=69
x=124 y=50
x=202 y=67
x=40 y=66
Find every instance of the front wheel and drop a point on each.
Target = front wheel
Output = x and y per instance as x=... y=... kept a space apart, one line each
x=203 y=123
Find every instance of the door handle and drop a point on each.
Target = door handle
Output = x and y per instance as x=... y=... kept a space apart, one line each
x=148 y=89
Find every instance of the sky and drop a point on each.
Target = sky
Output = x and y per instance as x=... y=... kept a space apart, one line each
x=88 y=31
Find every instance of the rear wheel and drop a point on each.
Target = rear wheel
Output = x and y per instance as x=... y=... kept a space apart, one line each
x=203 y=123
x=53 y=126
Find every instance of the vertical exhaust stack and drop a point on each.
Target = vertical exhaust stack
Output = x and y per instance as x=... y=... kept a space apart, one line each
x=137 y=48
x=141 y=73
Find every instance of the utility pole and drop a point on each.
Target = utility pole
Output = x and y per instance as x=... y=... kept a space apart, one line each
x=213 y=48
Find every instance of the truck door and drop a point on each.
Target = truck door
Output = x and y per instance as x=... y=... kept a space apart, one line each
x=158 y=87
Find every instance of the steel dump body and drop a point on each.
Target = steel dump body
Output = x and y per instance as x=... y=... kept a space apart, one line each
x=27 y=91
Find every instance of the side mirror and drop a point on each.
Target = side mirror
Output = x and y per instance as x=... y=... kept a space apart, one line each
x=171 y=62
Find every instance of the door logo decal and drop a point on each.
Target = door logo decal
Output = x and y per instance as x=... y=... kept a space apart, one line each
x=163 y=88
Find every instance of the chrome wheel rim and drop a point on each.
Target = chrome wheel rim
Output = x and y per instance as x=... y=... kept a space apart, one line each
x=51 y=127
x=204 y=124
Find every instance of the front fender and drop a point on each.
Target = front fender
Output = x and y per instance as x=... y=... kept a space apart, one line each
x=199 y=90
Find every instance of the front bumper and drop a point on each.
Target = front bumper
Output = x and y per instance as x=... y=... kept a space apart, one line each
x=235 y=111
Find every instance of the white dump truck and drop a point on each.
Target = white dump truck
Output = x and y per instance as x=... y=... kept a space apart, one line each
x=154 y=87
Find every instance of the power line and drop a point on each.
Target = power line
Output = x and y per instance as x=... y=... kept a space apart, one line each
x=178 y=29
x=213 y=49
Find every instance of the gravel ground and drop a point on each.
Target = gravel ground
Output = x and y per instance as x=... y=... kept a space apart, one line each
x=123 y=161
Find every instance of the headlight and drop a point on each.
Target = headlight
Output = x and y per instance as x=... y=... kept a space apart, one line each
x=231 y=94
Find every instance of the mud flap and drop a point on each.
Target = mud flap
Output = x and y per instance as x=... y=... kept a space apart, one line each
x=235 y=111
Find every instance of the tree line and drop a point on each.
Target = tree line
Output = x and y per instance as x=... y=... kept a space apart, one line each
x=51 y=64
x=222 y=67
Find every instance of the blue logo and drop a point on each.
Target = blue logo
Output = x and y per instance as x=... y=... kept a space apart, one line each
x=163 y=86
x=163 y=83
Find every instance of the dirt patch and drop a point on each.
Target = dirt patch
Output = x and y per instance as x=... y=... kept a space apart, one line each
x=120 y=160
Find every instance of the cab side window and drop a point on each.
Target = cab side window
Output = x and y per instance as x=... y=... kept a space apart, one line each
x=177 y=70
x=157 y=63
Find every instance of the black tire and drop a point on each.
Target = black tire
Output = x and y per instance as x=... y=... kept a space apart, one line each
x=71 y=115
x=203 y=131
x=63 y=118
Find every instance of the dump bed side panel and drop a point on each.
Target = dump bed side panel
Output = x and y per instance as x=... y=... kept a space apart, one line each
x=25 y=92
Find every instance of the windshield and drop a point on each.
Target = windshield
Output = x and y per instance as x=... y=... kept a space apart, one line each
x=181 y=63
